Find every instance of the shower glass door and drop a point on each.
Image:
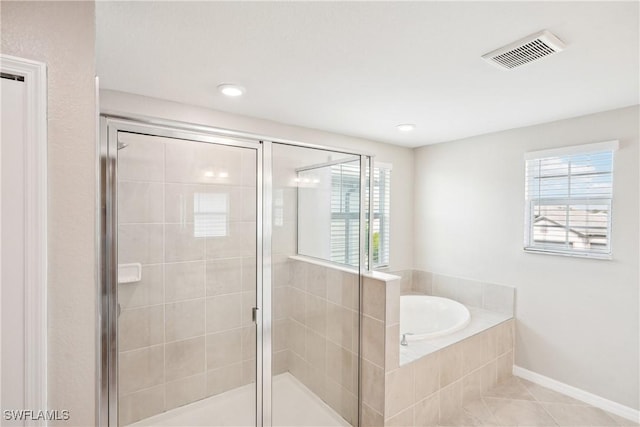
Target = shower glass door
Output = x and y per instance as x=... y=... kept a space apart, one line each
x=316 y=243
x=187 y=218
x=230 y=280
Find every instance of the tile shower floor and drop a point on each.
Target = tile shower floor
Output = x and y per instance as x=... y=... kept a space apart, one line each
x=293 y=405
x=517 y=402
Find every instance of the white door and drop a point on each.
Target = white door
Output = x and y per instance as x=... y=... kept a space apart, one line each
x=23 y=231
x=12 y=249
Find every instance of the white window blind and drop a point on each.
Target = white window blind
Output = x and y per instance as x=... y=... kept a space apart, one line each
x=568 y=200
x=381 y=212
x=345 y=214
x=210 y=214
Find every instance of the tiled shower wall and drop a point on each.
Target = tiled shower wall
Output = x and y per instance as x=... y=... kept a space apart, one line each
x=320 y=334
x=283 y=246
x=315 y=323
x=187 y=213
x=323 y=334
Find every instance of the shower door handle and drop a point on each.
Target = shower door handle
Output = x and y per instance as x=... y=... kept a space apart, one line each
x=254 y=314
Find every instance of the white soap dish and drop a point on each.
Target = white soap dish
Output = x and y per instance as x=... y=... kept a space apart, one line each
x=129 y=273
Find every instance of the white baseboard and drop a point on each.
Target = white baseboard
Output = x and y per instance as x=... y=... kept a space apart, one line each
x=578 y=394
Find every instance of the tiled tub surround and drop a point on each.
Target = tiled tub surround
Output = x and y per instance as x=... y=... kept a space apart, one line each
x=185 y=331
x=414 y=282
x=380 y=342
x=481 y=320
x=429 y=383
x=472 y=293
x=432 y=389
x=489 y=305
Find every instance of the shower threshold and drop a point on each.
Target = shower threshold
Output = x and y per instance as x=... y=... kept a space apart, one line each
x=293 y=405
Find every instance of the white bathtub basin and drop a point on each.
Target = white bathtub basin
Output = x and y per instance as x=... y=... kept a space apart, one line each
x=424 y=316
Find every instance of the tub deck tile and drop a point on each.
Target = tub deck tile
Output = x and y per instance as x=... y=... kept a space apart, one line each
x=481 y=320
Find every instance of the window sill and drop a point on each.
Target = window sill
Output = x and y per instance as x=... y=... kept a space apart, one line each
x=605 y=257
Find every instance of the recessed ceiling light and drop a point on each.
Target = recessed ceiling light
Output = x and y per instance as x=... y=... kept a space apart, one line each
x=231 y=89
x=406 y=127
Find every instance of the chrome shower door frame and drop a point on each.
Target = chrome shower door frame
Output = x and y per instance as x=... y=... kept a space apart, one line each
x=106 y=234
x=107 y=324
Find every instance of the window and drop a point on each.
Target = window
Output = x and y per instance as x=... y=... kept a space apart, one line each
x=210 y=214
x=345 y=214
x=381 y=210
x=568 y=200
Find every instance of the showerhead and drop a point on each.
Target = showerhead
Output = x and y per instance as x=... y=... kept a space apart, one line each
x=122 y=145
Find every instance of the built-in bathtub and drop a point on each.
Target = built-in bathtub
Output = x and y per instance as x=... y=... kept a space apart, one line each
x=443 y=322
x=425 y=316
x=461 y=347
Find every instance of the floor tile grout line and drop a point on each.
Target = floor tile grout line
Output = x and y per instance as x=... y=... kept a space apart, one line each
x=538 y=403
x=548 y=413
x=576 y=403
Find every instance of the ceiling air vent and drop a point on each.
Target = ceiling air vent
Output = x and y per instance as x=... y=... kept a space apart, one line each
x=525 y=50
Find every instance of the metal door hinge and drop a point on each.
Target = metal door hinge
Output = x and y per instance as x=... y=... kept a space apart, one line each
x=254 y=314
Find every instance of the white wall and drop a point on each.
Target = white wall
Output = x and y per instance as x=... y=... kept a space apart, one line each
x=62 y=34
x=577 y=319
x=400 y=157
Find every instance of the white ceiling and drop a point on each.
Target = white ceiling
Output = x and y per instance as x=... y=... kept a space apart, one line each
x=360 y=68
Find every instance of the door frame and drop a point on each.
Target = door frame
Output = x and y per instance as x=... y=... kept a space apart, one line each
x=113 y=122
x=34 y=74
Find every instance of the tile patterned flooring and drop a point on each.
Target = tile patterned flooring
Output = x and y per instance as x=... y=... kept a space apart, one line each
x=518 y=402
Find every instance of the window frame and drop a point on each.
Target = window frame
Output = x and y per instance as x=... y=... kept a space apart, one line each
x=530 y=202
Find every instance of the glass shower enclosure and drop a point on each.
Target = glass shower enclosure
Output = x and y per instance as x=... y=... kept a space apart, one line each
x=230 y=280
